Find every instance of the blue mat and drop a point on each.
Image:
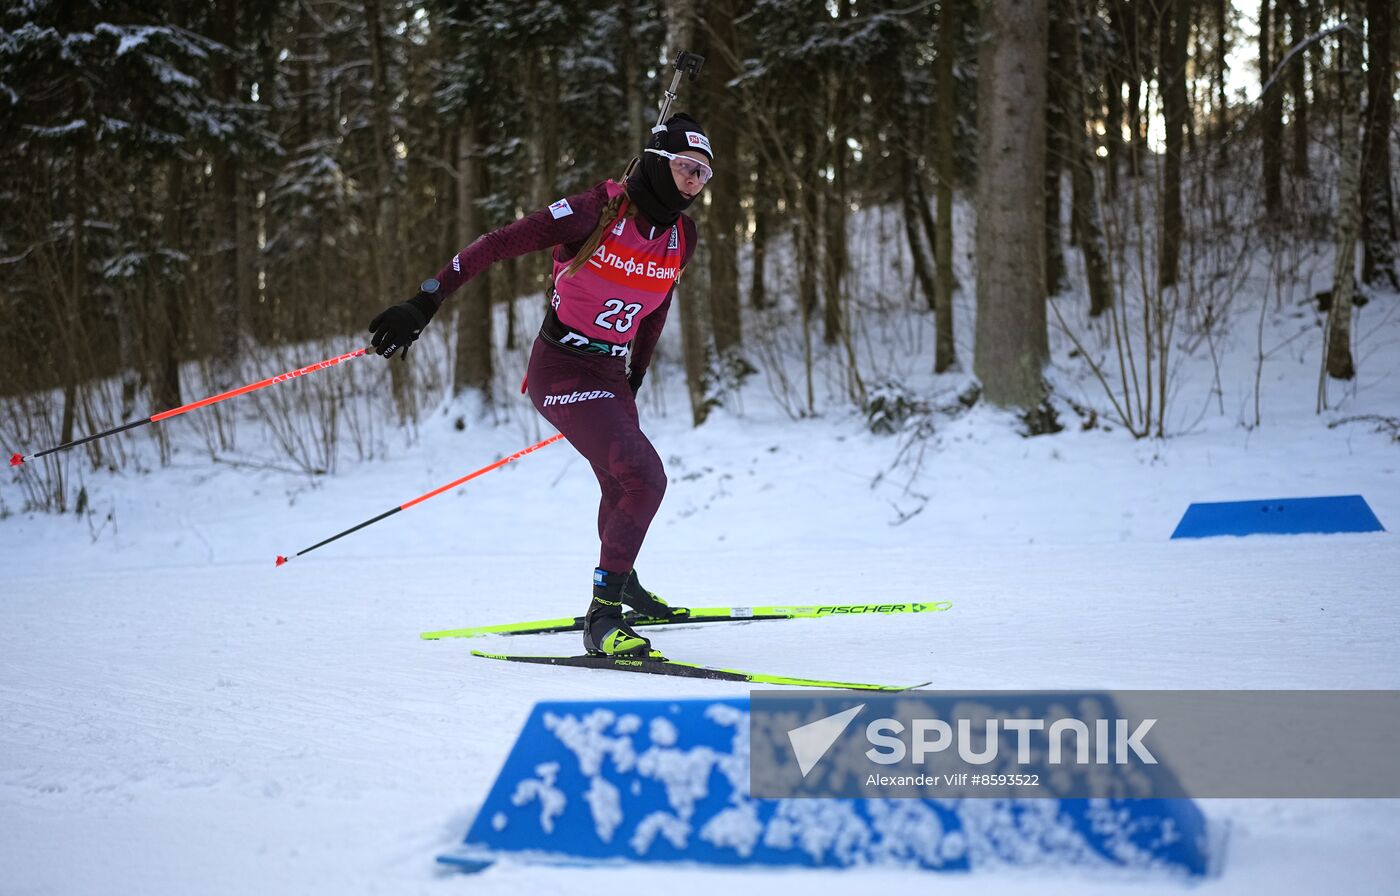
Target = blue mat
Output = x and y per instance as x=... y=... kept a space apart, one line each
x=639 y=781
x=1279 y=516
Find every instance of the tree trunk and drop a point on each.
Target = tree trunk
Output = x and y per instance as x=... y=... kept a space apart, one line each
x=388 y=233
x=508 y=279
x=945 y=354
x=527 y=65
x=696 y=339
x=1175 y=27
x=1056 y=57
x=1088 y=217
x=225 y=293
x=262 y=325
x=301 y=277
x=1272 y=112
x=168 y=329
x=1011 y=343
x=71 y=320
x=924 y=207
x=922 y=251
x=631 y=78
x=834 y=218
x=919 y=250
x=1132 y=20
x=1377 y=198
x=1222 y=49
x=1339 y=363
x=808 y=246
x=304 y=47
x=549 y=130
x=762 y=220
x=473 y=368
x=1194 y=51
x=1298 y=86
x=1315 y=54
x=723 y=213
x=253 y=182
x=1114 y=76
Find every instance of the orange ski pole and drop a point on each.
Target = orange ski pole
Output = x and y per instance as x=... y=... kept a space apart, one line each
x=432 y=494
x=17 y=459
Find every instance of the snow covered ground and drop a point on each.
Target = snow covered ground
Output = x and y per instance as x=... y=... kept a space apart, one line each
x=177 y=715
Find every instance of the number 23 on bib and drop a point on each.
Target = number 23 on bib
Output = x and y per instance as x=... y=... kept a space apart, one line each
x=627 y=278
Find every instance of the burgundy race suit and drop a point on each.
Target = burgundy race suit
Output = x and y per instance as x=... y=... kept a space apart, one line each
x=578 y=369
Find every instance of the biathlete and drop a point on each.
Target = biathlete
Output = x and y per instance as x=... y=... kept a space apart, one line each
x=618 y=252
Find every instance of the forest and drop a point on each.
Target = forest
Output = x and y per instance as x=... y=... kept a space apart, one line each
x=195 y=196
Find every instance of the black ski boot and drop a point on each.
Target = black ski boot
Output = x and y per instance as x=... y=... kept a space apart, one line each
x=605 y=632
x=645 y=603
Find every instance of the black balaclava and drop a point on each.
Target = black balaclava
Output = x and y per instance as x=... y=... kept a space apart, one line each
x=651 y=186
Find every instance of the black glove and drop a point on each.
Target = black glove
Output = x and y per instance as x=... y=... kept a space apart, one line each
x=399 y=325
x=634 y=380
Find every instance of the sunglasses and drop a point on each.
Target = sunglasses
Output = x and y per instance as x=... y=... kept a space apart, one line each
x=687 y=167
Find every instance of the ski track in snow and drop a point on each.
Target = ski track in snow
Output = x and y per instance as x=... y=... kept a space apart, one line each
x=178 y=716
x=288 y=728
